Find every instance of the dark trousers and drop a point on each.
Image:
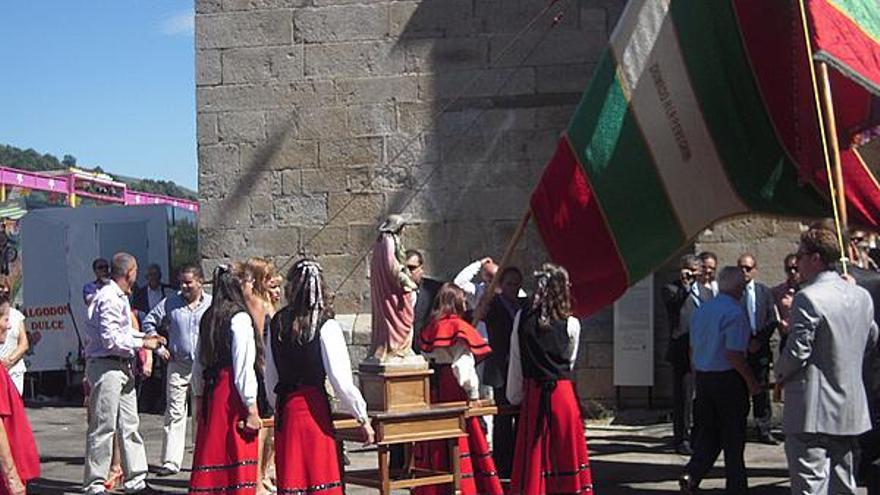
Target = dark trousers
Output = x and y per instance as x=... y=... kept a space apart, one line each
x=722 y=405
x=503 y=437
x=682 y=402
x=762 y=411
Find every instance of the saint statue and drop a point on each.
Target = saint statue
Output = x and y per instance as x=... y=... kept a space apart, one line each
x=391 y=292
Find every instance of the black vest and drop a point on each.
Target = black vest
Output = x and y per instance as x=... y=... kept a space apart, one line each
x=544 y=353
x=298 y=364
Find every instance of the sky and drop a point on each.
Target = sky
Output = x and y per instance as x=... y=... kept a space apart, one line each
x=110 y=82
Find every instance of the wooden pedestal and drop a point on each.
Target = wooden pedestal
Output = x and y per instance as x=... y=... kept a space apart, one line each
x=393 y=390
x=438 y=422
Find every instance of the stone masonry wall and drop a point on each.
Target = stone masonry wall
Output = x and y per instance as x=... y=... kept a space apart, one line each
x=316 y=118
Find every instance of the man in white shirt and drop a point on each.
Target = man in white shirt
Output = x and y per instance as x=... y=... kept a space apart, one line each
x=183 y=313
x=473 y=290
x=111 y=344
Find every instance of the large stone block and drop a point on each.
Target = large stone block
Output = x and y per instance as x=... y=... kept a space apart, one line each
x=308 y=122
x=336 y=180
x=281 y=154
x=371 y=120
x=217 y=185
x=300 y=210
x=219 y=158
x=265 y=96
x=283 y=240
x=341 y=23
x=527 y=146
x=478 y=82
x=595 y=383
x=208 y=68
x=242 y=127
x=363 y=58
x=221 y=243
x=254 y=28
x=437 y=55
x=230 y=213
x=351 y=152
x=326 y=240
x=275 y=63
x=262 y=209
x=378 y=89
x=291 y=182
x=432 y=19
x=206 y=128
x=356 y=207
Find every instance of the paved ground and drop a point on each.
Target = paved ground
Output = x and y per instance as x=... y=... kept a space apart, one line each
x=625 y=459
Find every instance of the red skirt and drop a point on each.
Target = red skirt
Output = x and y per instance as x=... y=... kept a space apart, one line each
x=306 y=459
x=225 y=459
x=550 y=457
x=478 y=473
x=18 y=431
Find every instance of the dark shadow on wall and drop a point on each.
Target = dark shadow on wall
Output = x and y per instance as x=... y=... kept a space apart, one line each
x=487 y=119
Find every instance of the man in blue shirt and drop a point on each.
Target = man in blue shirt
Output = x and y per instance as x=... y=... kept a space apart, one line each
x=720 y=334
x=182 y=312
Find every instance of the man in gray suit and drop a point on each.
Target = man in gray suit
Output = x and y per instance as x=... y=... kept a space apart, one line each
x=832 y=334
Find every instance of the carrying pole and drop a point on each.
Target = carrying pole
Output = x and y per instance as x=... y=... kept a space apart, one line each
x=483 y=303
x=831 y=124
x=821 y=110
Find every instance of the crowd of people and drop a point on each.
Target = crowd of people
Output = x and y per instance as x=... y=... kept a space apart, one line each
x=263 y=346
x=252 y=350
x=826 y=370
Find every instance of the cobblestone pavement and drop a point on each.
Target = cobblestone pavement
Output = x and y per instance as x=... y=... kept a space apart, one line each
x=625 y=459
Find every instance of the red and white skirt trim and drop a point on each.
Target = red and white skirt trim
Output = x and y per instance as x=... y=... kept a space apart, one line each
x=478 y=472
x=306 y=459
x=551 y=449
x=225 y=459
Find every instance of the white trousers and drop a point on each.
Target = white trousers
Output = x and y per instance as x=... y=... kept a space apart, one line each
x=176 y=392
x=113 y=408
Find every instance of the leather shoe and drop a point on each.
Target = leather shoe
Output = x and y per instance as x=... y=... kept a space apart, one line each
x=166 y=471
x=686 y=485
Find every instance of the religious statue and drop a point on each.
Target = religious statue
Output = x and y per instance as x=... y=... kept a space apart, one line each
x=392 y=290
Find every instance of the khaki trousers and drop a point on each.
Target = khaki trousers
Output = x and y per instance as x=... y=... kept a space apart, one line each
x=112 y=408
x=176 y=392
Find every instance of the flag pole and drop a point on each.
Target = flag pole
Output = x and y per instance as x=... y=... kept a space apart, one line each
x=483 y=303
x=835 y=208
x=831 y=123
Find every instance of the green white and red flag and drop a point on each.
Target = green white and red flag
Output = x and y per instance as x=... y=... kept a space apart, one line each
x=700 y=110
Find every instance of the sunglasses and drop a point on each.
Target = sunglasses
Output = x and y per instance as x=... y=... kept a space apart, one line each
x=746 y=268
x=413 y=268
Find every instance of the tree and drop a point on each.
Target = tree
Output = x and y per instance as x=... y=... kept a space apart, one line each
x=69 y=161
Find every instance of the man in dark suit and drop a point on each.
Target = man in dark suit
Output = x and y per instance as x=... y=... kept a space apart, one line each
x=424 y=295
x=147 y=297
x=869 y=442
x=422 y=308
x=757 y=300
x=681 y=299
x=498 y=325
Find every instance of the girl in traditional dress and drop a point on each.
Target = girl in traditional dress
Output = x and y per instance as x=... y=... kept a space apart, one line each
x=225 y=388
x=551 y=450
x=306 y=345
x=258 y=296
x=454 y=346
x=19 y=460
x=15 y=344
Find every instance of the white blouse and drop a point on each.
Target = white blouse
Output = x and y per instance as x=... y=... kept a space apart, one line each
x=514 y=370
x=463 y=365
x=244 y=355
x=337 y=365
